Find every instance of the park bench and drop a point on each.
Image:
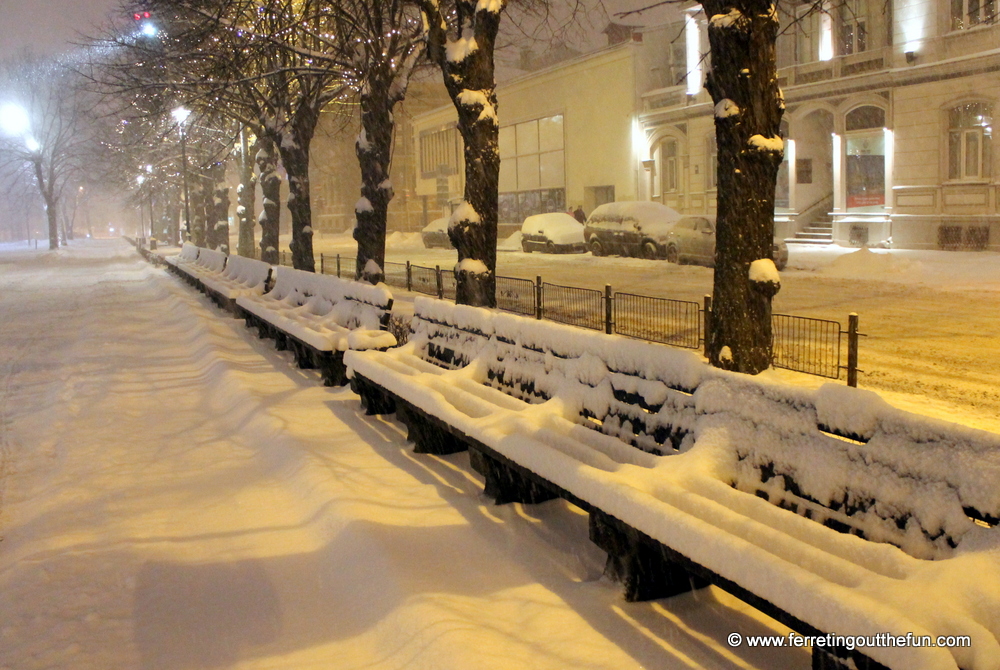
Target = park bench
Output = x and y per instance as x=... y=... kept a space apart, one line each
x=188 y=254
x=826 y=509
x=241 y=277
x=319 y=317
x=209 y=263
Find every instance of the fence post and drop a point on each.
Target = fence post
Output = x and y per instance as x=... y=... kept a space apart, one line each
x=409 y=277
x=538 y=297
x=708 y=322
x=322 y=264
x=338 y=265
x=852 y=349
x=608 y=310
x=440 y=282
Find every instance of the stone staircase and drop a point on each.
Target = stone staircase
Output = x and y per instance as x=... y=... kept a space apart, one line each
x=820 y=231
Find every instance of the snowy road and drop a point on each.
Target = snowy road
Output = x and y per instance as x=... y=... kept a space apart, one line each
x=175 y=494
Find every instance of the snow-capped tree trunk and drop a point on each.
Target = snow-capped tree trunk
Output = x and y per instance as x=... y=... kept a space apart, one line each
x=743 y=84
x=468 y=68
x=374 y=150
x=294 y=150
x=245 y=195
x=270 y=190
x=201 y=199
x=221 y=210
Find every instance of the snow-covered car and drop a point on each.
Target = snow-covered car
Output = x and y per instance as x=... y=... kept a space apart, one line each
x=435 y=234
x=692 y=240
x=555 y=233
x=630 y=228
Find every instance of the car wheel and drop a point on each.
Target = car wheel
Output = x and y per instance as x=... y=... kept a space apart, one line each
x=596 y=248
x=672 y=255
x=649 y=251
x=550 y=248
x=525 y=247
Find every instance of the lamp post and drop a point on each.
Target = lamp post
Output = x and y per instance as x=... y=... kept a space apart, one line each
x=181 y=115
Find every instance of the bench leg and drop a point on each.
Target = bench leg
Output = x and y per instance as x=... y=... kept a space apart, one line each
x=427 y=437
x=331 y=365
x=373 y=399
x=505 y=484
x=638 y=562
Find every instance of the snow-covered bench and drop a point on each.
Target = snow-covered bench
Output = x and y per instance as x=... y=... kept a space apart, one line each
x=827 y=509
x=242 y=276
x=208 y=264
x=319 y=317
x=188 y=254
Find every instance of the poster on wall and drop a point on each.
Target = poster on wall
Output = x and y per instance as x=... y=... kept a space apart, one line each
x=865 y=171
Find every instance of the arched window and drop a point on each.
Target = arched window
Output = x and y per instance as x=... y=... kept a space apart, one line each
x=863 y=118
x=970 y=139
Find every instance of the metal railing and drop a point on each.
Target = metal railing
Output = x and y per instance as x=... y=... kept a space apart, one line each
x=582 y=307
x=802 y=344
x=675 y=322
x=805 y=344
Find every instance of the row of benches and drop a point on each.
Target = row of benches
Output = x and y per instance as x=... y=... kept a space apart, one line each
x=317 y=317
x=828 y=510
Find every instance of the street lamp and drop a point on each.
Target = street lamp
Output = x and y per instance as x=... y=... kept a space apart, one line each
x=14 y=120
x=181 y=115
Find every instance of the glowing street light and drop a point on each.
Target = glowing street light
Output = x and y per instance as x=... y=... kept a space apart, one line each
x=14 y=120
x=32 y=144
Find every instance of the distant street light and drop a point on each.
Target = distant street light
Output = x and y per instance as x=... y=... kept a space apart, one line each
x=14 y=120
x=181 y=115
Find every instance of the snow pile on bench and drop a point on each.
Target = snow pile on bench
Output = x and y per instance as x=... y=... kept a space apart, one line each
x=831 y=460
x=188 y=254
x=242 y=276
x=325 y=312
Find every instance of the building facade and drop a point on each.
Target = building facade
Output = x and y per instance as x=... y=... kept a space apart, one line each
x=888 y=126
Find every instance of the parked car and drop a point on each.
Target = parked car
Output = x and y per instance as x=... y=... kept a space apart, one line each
x=630 y=228
x=435 y=234
x=692 y=240
x=555 y=233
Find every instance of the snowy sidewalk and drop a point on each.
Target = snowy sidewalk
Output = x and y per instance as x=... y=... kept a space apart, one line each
x=176 y=494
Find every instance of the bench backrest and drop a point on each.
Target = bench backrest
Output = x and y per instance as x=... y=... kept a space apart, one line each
x=189 y=252
x=211 y=260
x=249 y=272
x=352 y=304
x=840 y=456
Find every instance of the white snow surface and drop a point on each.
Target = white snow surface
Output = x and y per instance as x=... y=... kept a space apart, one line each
x=761 y=143
x=364 y=205
x=920 y=469
x=458 y=50
x=559 y=227
x=764 y=270
x=494 y=6
x=177 y=494
x=726 y=108
x=472 y=266
x=464 y=214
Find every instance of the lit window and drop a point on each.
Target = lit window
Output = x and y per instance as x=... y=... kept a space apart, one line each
x=969 y=13
x=712 y=168
x=853 y=27
x=668 y=166
x=970 y=138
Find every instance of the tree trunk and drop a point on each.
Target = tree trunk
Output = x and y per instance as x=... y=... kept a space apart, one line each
x=374 y=150
x=200 y=197
x=217 y=209
x=49 y=199
x=294 y=148
x=469 y=78
x=245 y=195
x=270 y=188
x=743 y=85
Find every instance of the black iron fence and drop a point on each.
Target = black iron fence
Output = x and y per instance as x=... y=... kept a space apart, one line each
x=806 y=345
x=675 y=322
x=799 y=343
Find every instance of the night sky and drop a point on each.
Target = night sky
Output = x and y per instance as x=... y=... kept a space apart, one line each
x=49 y=26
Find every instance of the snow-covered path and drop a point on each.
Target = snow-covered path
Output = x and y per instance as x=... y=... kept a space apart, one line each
x=175 y=494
